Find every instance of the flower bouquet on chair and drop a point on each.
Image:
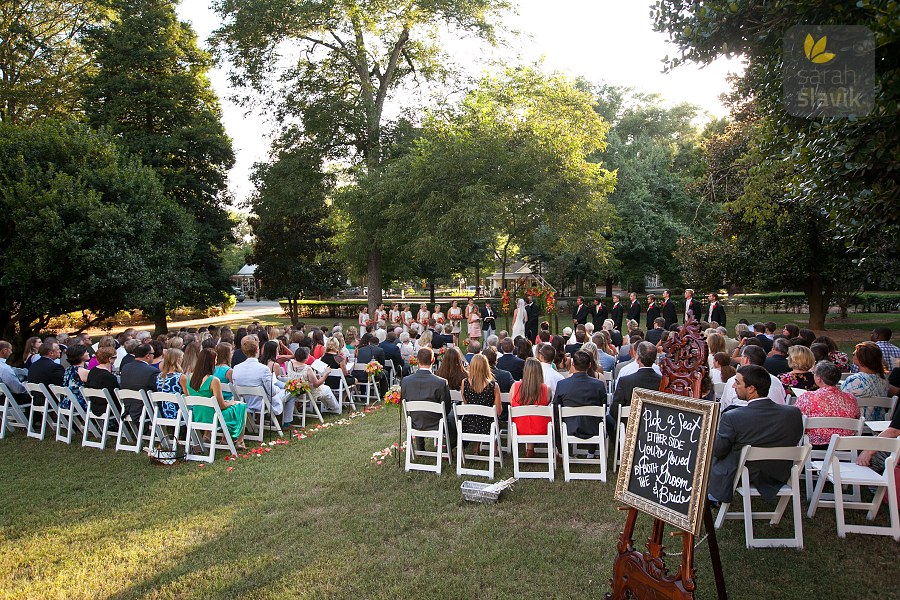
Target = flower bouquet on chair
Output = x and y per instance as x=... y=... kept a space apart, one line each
x=392 y=396
x=297 y=387
x=374 y=369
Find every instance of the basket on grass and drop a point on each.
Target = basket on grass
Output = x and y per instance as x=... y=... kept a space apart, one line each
x=486 y=493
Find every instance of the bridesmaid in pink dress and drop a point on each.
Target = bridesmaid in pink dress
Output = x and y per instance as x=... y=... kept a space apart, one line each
x=474 y=323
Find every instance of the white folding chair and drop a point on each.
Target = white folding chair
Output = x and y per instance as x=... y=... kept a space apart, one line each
x=621 y=425
x=127 y=427
x=102 y=422
x=868 y=405
x=790 y=491
x=543 y=439
x=343 y=392
x=849 y=473
x=440 y=436
x=366 y=387
x=456 y=397
x=719 y=388
x=160 y=422
x=47 y=410
x=256 y=420
x=74 y=418
x=215 y=429
x=570 y=443
x=307 y=400
x=504 y=424
x=389 y=366
x=492 y=439
x=12 y=414
x=814 y=461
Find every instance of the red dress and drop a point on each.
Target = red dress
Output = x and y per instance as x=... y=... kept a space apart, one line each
x=530 y=425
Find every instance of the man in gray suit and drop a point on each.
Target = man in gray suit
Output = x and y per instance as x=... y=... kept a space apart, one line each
x=423 y=385
x=761 y=423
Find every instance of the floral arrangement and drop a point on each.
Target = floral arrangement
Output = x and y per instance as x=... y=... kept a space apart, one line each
x=551 y=301
x=413 y=361
x=456 y=316
x=440 y=320
x=392 y=396
x=504 y=304
x=465 y=343
x=439 y=353
x=374 y=369
x=297 y=387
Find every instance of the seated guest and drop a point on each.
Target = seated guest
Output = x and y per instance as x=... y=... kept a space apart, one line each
x=808 y=336
x=509 y=361
x=337 y=361
x=75 y=374
x=606 y=356
x=547 y=355
x=368 y=351
x=269 y=357
x=524 y=349
x=761 y=423
x=45 y=369
x=562 y=362
x=130 y=346
x=827 y=401
x=101 y=378
x=253 y=373
x=223 y=369
x=632 y=366
x=169 y=381
x=716 y=343
x=790 y=331
x=759 y=329
x=407 y=347
x=654 y=334
x=31 y=352
x=645 y=376
x=751 y=354
x=492 y=341
x=423 y=385
x=139 y=375
x=318 y=347
x=722 y=370
x=580 y=337
x=202 y=382
x=581 y=390
x=481 y=389
x=593 y=369
x=890 y=353
x=800 y=359
x=9 y=377
x=834 y=354
x=531 y=391
x=474 y=348
x=393 y=354
x=320 y=393
x=452 y=368
x=870 y=380
x=777 y=362
x=503 y=378
x=820 y=352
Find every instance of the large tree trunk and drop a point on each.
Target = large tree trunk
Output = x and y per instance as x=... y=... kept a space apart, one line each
x=431 y=289
x=819 y=294
x=160 y=325
x=503 y=266
x=609 y=283
x=579 y=284
x=477 y=281
x=374 y=279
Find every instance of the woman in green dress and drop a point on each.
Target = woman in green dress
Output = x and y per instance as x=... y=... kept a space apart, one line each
x=202 y=382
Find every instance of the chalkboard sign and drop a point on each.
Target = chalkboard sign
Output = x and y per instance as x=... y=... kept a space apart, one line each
x=666 y=462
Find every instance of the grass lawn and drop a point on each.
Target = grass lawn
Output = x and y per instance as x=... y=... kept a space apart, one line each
x=317 y=518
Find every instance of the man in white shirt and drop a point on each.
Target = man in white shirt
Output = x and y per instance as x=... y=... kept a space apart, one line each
x=8 y=376
x=631 y=367
x=751 y=355
x=251 y=372
x=546 y=355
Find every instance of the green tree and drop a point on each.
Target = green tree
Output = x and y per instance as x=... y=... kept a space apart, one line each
x=83 y=226
x=350 y=57
x=293 y=240
x=151 y=90
x=843 y=171
x=41 y=56
x=508 y=164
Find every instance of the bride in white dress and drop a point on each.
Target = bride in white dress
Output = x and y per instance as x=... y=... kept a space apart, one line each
x=518 y=328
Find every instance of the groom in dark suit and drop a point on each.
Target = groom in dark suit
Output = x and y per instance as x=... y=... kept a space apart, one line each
x=761 y=423
x=531 y=318
x=423 y=385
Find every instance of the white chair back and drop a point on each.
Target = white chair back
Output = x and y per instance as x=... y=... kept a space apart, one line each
x=571 y=442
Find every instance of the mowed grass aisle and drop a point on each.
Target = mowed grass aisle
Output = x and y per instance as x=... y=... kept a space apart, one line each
x=317 y=518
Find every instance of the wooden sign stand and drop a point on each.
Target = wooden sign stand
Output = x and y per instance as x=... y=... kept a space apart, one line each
x=644 y=574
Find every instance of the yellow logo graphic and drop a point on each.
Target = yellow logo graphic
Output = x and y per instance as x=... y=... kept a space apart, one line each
x=815 y=51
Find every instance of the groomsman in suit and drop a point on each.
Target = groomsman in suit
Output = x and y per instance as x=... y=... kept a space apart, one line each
x=691 y=305
x=488 y=321
x=634 y=309
x=598 y=314
x=580 y=315
x=531 y=321
x=669 y=312
x=617 y=312
x=652 y=311
x=716 y=311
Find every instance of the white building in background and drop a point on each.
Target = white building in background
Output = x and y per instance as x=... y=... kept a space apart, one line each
x=245 y=279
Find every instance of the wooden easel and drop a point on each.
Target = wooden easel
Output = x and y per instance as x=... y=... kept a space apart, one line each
x=645 y=575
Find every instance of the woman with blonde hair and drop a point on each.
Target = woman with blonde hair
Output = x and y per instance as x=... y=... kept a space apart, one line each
x=716 y=343
x=425 y=340
x=800 y=359
x=169 y=380
x=530 y=391
x=191 y=351
x=481 y=389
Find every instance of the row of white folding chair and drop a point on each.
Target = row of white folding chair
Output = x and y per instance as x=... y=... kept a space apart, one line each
x=492 y=439
x=814 y=461
x=12 y=413
x=867 y=404
x=788 y=492
x=839 y=468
